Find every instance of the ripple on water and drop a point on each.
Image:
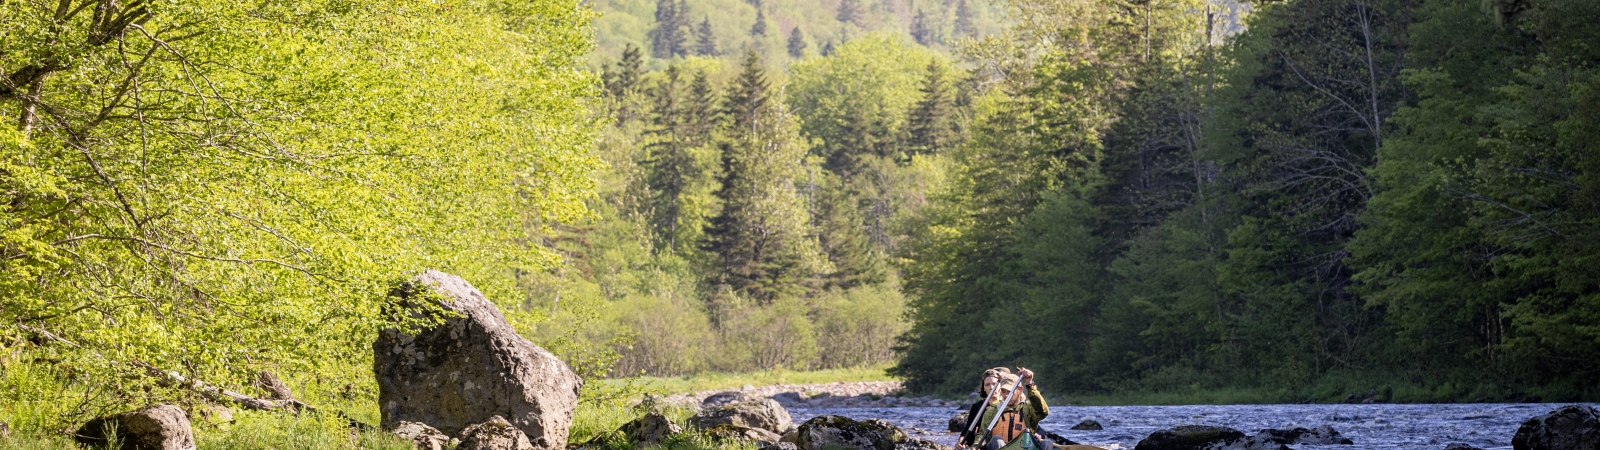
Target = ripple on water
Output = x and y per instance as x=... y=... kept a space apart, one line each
x=1405 y=427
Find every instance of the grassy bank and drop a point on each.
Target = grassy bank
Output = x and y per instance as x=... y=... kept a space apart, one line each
x=717 y=380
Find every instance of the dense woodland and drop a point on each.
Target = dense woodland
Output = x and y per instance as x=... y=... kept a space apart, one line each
x=1303 y=198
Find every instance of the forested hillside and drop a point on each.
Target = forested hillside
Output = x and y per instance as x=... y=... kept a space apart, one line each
x=780 y=30
x=1349 y=195
x=1303 y=199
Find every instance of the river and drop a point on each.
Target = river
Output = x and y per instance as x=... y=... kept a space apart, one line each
x=1384 y=426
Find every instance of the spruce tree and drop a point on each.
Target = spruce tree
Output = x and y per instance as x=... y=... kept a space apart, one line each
x=760 y=28
x=963 y=19
x=705 y=40
x=621 y=81
x=929 y=121
x=849 y=11
x=839 y=226
x=667 y=39
x=681 y=28
x=748 y=94
x=668 y=159
x=759 y=243
x=701 y=106
x=920 y=30
x=797 y=43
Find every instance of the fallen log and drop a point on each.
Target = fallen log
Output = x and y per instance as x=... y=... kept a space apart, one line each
x=221 y=395
x=212 y=392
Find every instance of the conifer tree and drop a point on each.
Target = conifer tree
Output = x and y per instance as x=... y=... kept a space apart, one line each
x=920 y=30
x=683 y=28
x=759 y=243
x=849 y=11
x=760 y=28
x=929 y=121
x=667 y=39
x=838 y=224
x=671 y=166
x=621 y=81
x=705 y=40
x=797 y=43
x=963 y=23
x=701 y=106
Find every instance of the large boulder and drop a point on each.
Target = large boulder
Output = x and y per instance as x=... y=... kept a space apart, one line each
x=650 y=429
x=1574 y=427
x=760 y=413
x=469 y=368
x=494 y=434
x=1204 y=437
x=422 y=436
x=159 y=427
x=834 y=432
x=1323 y=435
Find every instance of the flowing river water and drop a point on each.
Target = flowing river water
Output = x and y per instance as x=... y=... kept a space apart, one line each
x=1384 y=426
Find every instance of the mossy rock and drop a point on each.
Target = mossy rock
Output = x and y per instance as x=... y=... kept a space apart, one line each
x=839 y=432
x=1190 y=437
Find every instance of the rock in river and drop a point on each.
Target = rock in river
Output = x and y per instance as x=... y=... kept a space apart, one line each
x=159 y=427
x=1323 y=435
x=470 y=368
x=1204 y=437
x=1574 y=427
x=1088 y=425
x=958 y=423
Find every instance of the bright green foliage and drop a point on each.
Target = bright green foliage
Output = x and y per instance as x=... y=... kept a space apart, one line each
x=217 y=188
x=855 y=101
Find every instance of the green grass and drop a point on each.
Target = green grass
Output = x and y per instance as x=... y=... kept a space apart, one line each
x=718 y=380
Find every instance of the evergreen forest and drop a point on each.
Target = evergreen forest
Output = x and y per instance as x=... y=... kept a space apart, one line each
x=1297 y=199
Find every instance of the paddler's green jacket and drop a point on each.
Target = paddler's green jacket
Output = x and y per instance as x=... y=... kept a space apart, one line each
x=1033 y=410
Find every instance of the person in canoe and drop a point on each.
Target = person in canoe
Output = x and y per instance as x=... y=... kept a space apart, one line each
x=1011 y=416
x=991 y=378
